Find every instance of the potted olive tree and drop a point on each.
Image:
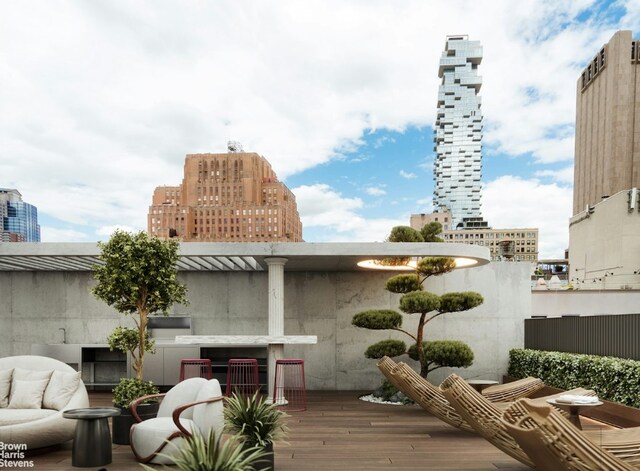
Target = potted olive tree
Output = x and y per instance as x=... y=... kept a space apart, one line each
x=138 y=277
x=256 y=424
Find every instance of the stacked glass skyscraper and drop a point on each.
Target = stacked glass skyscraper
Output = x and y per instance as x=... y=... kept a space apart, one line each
x=458 y=131
x=19 y=220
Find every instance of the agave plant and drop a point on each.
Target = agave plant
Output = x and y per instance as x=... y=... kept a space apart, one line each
x=253 y=421
x=208 y=454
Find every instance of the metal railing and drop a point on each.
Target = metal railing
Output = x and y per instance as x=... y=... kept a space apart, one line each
x=609 y=335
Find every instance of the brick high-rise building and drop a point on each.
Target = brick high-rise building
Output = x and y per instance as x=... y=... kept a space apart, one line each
x=232 y=197
x=607 y=158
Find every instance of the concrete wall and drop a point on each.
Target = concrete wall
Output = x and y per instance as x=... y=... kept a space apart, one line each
x=34 y=305
x=605 y=247
x=585 y=303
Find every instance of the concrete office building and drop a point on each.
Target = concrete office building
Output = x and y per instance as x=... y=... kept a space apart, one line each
x=458 y=131
x=603 y=232
x=18 y=220
x=607 y=149
x=231 y=197
x=520 y=245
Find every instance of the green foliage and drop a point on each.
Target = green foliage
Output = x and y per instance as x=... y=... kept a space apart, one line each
x=127 y=340
x=388 y=390
x=378 y=319
x=403 y=284
x=130 y=389
x=431 y=231
x=419 y=301
x=390 y=348
x=434 y=266
x=253 y=421
x=404 y=234
x=209 y=454
x=456 y=302
x=138 y=272
x=613 y=379
x=138 y=275
x=451 y=353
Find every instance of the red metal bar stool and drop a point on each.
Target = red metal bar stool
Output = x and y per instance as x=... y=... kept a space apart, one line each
x=289 y=391
x=242 y=376
x=195 y=368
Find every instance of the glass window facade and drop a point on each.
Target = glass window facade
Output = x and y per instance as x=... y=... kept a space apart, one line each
x=458 y=131
x=19 y=219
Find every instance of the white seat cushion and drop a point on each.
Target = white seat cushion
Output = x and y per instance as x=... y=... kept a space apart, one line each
x=5 y=386
x=209 y=416
x=60 y=389
x=27 y=394
x=21 y=416
x=182 y=393
x=20 y=374
x=147 y=436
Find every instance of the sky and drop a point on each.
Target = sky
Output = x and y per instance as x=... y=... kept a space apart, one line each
x=100 y=102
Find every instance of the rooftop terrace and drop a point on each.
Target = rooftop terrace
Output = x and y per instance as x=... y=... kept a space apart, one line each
x=340 y=432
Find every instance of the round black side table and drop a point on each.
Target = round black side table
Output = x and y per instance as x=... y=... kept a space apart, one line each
x=92 y=442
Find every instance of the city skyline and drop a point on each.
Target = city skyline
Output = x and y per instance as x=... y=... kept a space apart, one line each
x=104 y=102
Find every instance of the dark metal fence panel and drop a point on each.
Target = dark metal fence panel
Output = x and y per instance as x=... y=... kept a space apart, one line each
x=610 y=335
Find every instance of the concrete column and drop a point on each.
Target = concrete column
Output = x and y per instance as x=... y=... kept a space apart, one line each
x=276 y=316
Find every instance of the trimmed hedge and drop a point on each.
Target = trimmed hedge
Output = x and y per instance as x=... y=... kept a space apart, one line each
x=613 y=379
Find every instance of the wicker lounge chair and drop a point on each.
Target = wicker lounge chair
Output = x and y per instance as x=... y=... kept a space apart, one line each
x=554 y=443
x=430 y=397
x=485 y=416
x=509 y=392
x=425 y=394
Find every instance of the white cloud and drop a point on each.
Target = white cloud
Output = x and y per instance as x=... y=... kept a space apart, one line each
x=512 y=202
x=52 y=234
x=564 y=175
x=408 y=175
x=102 y=104
x=321 y=207
x=108 y=230
x=375 y=191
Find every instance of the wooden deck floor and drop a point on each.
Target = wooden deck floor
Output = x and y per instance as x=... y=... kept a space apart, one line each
x=340 y=432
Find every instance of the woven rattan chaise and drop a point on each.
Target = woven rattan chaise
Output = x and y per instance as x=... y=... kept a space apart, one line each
x=485 y=417
x=430 y=397
x=554 y=444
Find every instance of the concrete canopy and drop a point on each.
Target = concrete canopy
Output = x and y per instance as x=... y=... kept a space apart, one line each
x=238 y=256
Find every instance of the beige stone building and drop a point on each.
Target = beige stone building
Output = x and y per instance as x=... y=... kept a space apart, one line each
x=231 y=197
x=607 y=149
x=520 y=245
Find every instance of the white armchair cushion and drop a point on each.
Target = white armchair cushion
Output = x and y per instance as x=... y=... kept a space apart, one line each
x=27 y=394
x=209 y=416
x=60 y=389
x=182 y=393
x=24 y=416
x=20 y=374
x=148 y=435
x=5 y=386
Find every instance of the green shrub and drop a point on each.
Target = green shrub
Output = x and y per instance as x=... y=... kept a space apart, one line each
x=404 y=234
x=378 y=319
x=390 y=348
x=388 y=390
x=613 y=379
x=403 y=284
x=433 y=266
x=129 y=389
x=441 y=353
x=419 y=301
x=456 y=302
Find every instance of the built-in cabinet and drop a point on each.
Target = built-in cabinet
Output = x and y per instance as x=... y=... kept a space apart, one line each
x=101 y=367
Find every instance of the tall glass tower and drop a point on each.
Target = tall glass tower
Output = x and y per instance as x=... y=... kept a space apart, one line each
x=18 y=220
x=458 y=131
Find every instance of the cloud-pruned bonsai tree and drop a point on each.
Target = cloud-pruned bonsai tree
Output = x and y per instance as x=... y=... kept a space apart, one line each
x=138 y=277
x=431 y=355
